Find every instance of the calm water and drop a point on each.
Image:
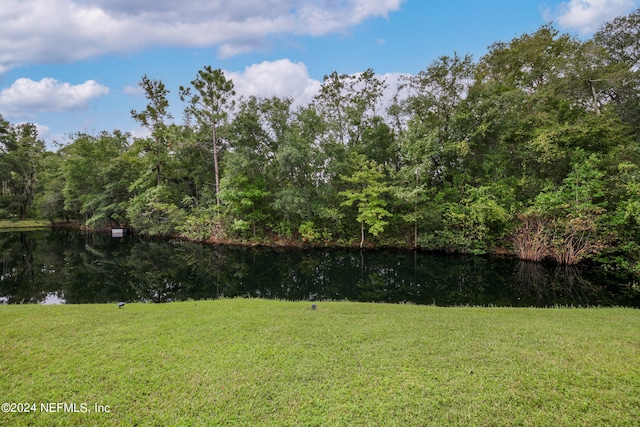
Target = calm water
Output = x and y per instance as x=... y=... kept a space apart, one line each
x=70 y=267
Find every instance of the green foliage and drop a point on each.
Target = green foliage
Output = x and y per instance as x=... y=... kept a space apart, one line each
x=209 y=104
x=623 y=223
x=366 y=194
x=94 y=178
x=21 y=154
x=154 y=117
x=348 y=103
x=201 y=224
x=469 y=224
x=308 y=232
x=244 y=194
x=49 y=200
x=574 y=214
x=152 y=212
x=619 y=41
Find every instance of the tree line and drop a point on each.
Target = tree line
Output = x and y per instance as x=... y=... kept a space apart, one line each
x=532 y=150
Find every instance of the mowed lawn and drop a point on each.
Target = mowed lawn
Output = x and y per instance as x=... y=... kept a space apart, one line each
x=23 y=224
x=255 y=362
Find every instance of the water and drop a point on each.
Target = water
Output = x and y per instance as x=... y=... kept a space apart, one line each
x=65 y=266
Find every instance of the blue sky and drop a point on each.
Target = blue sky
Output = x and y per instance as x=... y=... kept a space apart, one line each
x=73 y=65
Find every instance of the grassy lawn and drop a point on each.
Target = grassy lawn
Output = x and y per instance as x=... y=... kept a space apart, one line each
x=258 y=362
x=20 y=224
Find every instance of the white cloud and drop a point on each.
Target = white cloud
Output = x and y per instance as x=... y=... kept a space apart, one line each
x=587 y=16
x=284 y=78
x=43 y=131
x=26 y=97
x=281 y=78
x=133 y=90
x=40 y=31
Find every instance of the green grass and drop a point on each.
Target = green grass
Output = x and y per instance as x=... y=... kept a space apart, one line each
x=19 y=224
x=266 y=363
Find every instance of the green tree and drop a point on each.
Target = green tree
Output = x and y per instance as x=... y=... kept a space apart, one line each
x=412 y=195
x=21 y=152
x=153 y=212
x=435 y=94
x=302 y=185
x=296 y=173
x=95 y=176
x=429 y=147
x=49 y=199
x=574 y=213
x=619 y=39
x=469 y=222
x=117 y=171
x=7 y=144
x=347 y=102
x=256 y=132
x=154 y=117
x=532 y=105
x=347 y=105
x=366 y=193
x=245 y=199
x=209 y=103
x=624 y=222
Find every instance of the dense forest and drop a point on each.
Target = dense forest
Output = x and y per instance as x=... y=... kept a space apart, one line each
x=533 y=150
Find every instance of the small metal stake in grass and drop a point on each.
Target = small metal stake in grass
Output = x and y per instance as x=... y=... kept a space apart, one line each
x=120 y=304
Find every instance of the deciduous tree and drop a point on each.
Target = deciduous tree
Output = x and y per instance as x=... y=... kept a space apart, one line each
x=366 y=194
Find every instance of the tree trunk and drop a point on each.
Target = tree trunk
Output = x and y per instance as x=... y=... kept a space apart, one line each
x=361 y=234
x=594 y=97
x=415 y=214
x=215 y=162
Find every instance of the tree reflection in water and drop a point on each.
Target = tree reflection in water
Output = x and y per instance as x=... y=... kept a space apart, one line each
x=559 y=285
x=68 y=266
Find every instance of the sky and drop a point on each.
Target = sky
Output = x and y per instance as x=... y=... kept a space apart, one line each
x=72 y=66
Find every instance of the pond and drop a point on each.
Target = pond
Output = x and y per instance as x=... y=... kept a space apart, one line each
x=67 y=266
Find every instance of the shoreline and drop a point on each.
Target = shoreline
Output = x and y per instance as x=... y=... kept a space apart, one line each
x=274 y=242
